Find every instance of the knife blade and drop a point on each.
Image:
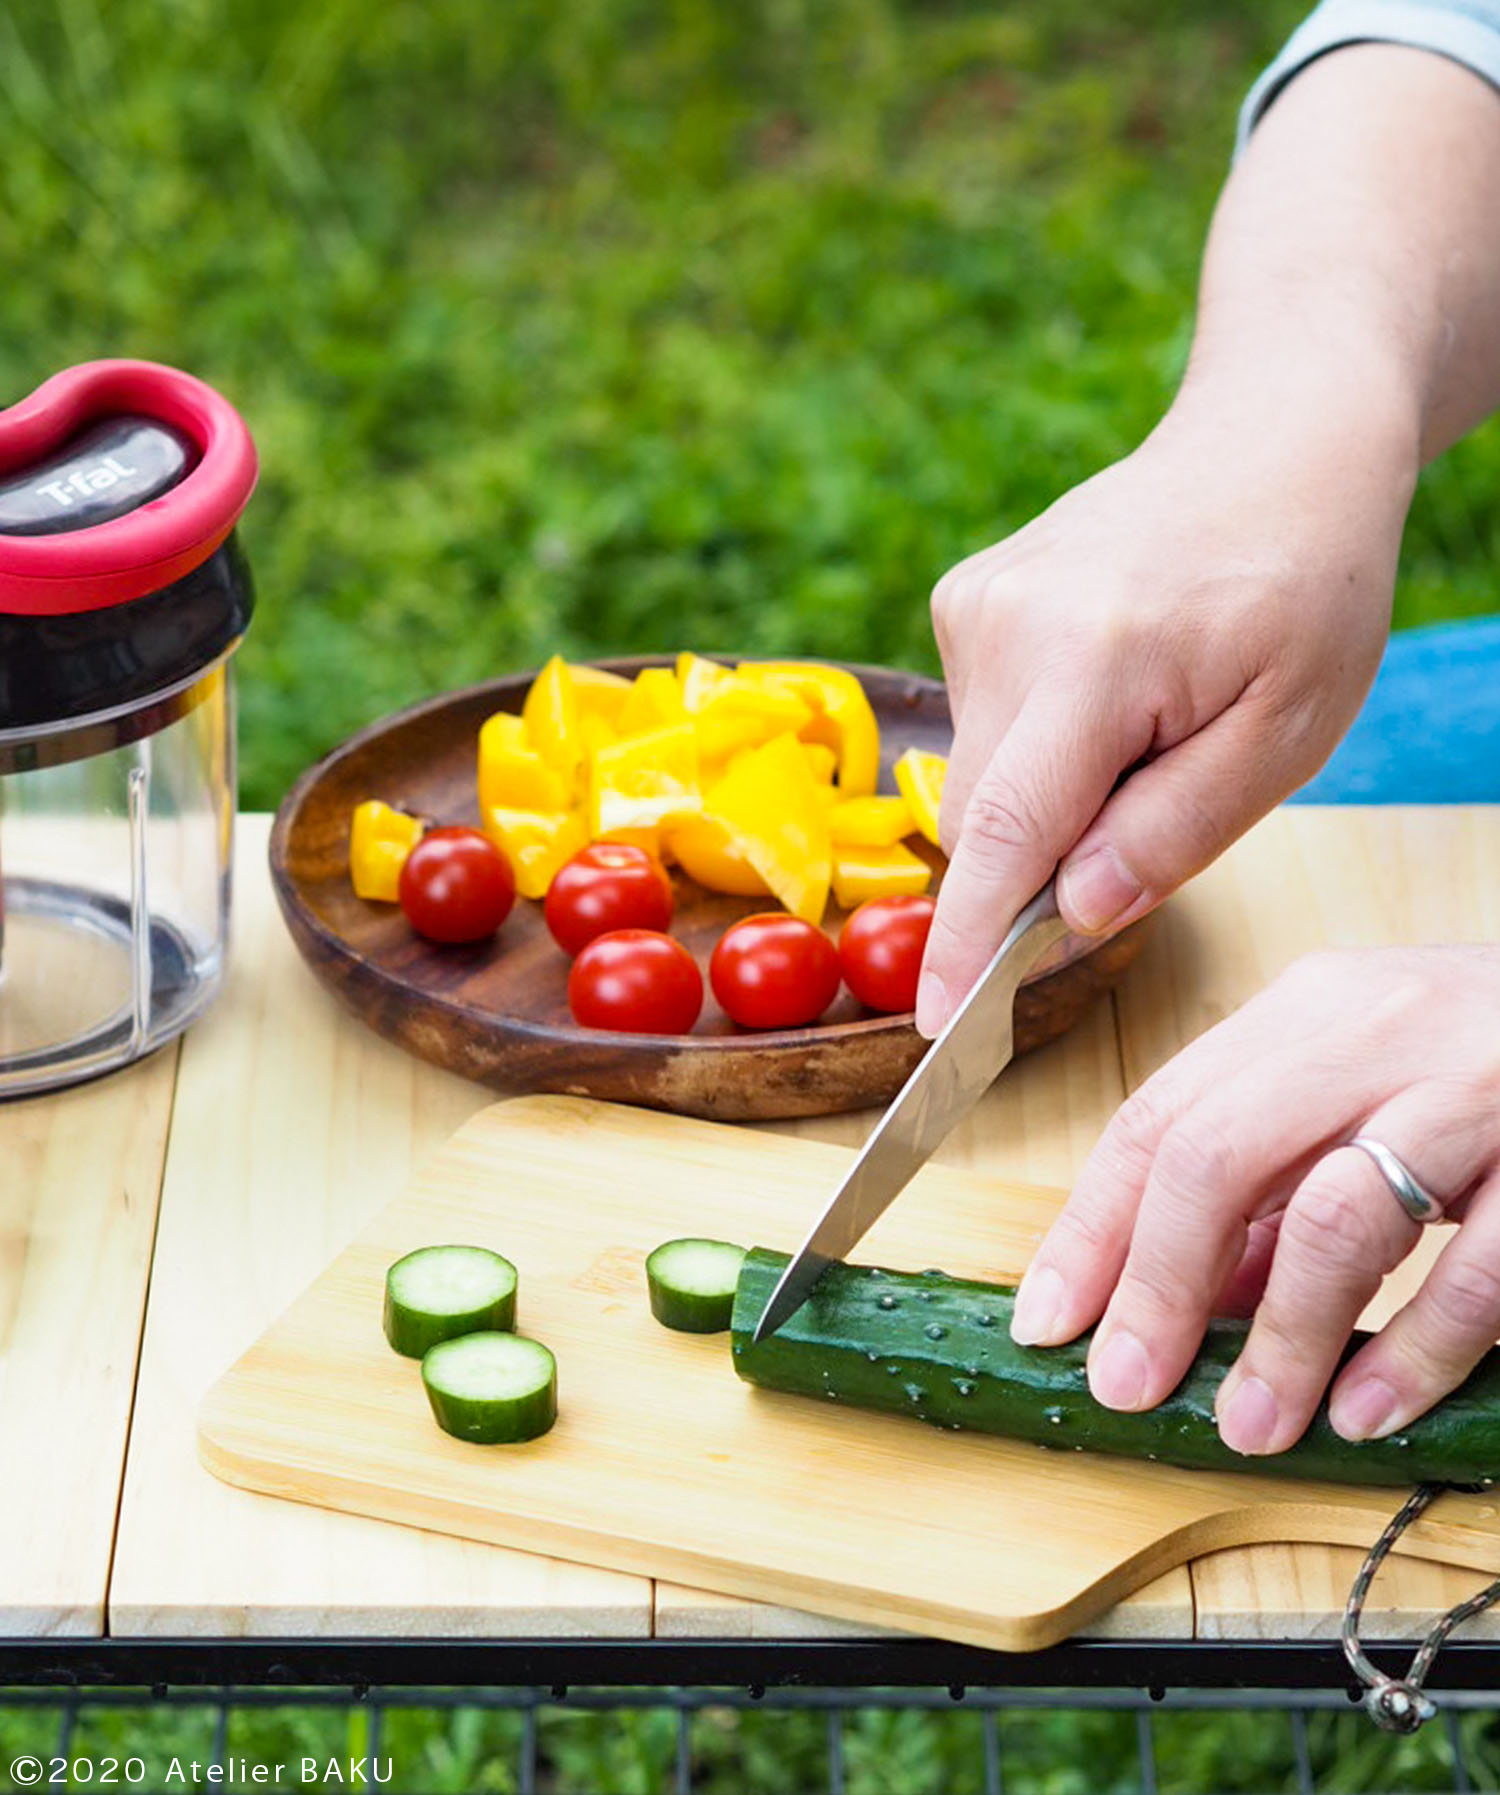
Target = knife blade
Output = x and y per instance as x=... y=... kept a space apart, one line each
x=958 y=1068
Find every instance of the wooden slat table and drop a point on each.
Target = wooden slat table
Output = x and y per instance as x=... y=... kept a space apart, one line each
x=152 y=1224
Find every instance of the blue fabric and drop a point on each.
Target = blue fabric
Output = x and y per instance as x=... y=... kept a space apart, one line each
x=1465 y=31
x=1429 y=732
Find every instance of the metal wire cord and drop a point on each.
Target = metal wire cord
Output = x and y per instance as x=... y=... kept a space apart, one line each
x=1401 y=1704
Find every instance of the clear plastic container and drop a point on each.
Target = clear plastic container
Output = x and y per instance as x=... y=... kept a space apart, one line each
x=117 y=740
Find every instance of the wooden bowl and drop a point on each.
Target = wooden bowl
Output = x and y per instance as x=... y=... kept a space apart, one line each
x=498 y=1012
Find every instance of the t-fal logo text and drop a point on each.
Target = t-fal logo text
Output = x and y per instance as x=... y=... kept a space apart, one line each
x=86 y=481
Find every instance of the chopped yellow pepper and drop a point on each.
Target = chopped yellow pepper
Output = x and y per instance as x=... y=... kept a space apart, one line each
x=595 y=733
x=870 y=822
x=551 y=717
x=870 y=872
x=379 y=841
x=599 y=692
x=643 y=780
x=920 y=776
x=653 y=701
x=696 y=679
x=740 y=713
x=822 y=760
x=770 y=804
x=704 y=849
x=511 y=772
x=535 y=842
x=844 y=718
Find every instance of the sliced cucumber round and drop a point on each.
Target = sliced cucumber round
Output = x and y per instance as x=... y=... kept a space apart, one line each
x=491 y=1388
x=692 y=1284
x=438 y=1293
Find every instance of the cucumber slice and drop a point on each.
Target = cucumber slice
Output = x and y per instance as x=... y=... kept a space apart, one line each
x=692 y=1284
x=491 y=1388
x=437 y=1293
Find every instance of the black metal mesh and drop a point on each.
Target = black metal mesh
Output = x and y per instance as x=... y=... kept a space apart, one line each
x=732 y=1741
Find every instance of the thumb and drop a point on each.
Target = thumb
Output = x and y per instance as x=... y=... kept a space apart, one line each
x=1175 y=815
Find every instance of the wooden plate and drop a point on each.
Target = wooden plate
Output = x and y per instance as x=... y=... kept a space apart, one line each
x=498 y=1012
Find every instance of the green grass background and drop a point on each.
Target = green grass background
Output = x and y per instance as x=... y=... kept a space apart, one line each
x=631 y=324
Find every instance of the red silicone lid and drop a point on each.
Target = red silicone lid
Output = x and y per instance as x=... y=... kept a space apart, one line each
x=111 y=563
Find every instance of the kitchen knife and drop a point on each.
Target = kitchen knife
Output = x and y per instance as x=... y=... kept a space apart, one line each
x=950 y=1078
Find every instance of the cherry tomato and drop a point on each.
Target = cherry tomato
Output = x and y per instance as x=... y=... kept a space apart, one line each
x=637 y=981
x=456 y=885
x=607 y=885
x=880 y=951
x=774 y=971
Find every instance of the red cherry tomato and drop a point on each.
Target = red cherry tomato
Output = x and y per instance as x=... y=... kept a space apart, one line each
x=456 y=885
x=880 y=951
x=774 y=971
x=607 y=885
x=636 y=981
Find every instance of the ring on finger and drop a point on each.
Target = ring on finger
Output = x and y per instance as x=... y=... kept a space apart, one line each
x=1408 y=1190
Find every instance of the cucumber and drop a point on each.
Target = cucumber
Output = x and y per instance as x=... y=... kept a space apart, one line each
x=692 y=1284
x=437 y=1293
x=491 y=1387
x=939 y=1349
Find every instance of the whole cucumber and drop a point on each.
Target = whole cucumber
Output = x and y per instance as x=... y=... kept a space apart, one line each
x=939 y=1350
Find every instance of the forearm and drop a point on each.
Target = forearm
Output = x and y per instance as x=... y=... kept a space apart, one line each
x=1352 y=278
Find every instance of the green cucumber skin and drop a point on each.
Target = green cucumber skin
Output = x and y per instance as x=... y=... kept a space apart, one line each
x=414 y=1333
x=685 y=1312
x=844 y=1346
x=487 y=1423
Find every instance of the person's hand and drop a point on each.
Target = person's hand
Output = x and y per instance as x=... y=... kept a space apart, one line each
x=1224 y=1184
x=1203 y=619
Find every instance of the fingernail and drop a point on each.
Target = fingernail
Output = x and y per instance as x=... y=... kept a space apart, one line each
x=1097 y=889
x=1118 y=1376
x=1248 y=1419
x=932 y=1005
x=1038 y=1308
x=1365 y=1412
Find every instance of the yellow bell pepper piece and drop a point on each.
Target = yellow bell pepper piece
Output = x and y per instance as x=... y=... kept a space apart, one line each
x=844 y=718
x=643 y=780
x=870 y=822
x=595 y=732
x=861 y=872
x=511 y=772
x=551 y=717
x=653 y=701
x=705 y=850
x=379 y=841
x=599 y=692
x=822 y=761
x=741 y=713
x=770 y=804
x=535 y=842
x=920 y=777
x=697 y=679
x=649 y=839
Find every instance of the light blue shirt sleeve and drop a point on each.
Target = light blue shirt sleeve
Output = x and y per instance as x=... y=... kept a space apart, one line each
x=1465 y=31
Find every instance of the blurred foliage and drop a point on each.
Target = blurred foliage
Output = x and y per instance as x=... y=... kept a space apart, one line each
x=886 y=1751
x=632 y=323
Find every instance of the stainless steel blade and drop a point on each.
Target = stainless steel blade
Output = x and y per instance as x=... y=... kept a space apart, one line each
x=958 y=1068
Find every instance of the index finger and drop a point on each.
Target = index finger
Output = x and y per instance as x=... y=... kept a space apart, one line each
x=1041 y=788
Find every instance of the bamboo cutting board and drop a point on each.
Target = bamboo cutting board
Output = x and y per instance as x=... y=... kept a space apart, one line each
x=664 y=1463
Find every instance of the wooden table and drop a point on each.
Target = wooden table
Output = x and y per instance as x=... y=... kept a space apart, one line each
x=153 y=1223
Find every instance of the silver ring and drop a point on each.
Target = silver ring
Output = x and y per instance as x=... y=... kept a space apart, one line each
x=1413 y=1196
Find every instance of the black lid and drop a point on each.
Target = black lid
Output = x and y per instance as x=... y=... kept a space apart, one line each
x=56 y=669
